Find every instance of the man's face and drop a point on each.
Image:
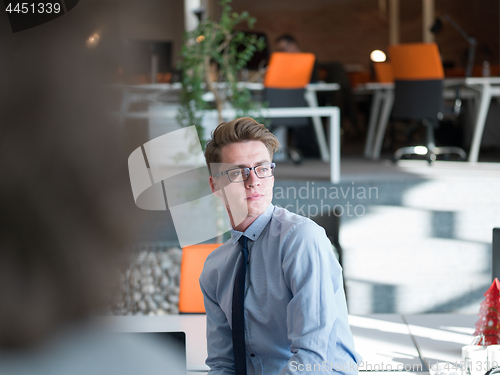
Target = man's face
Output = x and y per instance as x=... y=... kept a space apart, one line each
x=246 y=200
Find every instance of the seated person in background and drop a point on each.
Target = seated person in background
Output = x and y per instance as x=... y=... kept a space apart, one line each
x=273 y=293
x=287 y=43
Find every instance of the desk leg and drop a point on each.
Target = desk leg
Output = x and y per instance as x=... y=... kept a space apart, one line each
x=384 y=119
x=318 y=127
x=372 y=125
x=335 y=146
x=484 y=105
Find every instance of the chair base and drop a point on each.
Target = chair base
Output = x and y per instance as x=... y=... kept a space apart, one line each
x=431 y=150
x=430 y=153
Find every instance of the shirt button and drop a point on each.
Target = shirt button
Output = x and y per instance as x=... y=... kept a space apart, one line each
x=252 y=355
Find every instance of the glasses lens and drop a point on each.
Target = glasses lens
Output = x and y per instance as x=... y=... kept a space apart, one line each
x=238 y=175
x=264 y=170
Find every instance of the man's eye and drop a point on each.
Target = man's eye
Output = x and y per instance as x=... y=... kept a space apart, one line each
x=235 y=173
x=263 y=169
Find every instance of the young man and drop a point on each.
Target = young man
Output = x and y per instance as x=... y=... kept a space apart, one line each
x=273 y=293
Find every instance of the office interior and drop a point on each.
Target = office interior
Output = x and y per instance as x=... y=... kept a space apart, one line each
x=414 y=235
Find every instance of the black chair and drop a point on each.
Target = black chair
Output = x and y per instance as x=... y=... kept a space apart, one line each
x=330 y=222
x=418 y=94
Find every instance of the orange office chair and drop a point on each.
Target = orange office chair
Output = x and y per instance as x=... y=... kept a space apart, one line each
x=418 y=94
x=193 y=259
x=383 y=72
x=284 y=86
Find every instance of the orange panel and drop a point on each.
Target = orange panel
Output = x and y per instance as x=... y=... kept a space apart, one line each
x=359 y=78
x=383 y=72
x=289 y=70
x=416 y=61
x=193 y=259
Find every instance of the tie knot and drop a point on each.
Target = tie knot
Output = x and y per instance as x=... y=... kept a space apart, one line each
x=243 y=242
x=244 y=246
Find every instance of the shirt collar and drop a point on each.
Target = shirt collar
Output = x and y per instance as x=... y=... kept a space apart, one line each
x=255 y=229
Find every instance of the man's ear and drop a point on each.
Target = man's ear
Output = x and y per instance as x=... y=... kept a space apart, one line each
x=214 y=186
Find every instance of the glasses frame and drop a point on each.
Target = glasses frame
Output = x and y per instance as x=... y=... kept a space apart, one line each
x=273 y=167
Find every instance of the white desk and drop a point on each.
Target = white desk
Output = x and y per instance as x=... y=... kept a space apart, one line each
x=488 y=87
x=383 y=340
x=440 y=337
x=229 y=113
x=195 y=327
x=152 y=92
x=383 y=99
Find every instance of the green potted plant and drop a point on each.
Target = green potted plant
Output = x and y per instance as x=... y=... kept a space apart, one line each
x=215 y=53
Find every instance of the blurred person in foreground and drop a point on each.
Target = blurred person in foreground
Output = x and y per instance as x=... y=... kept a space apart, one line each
x=65 y=211
x=295 y=313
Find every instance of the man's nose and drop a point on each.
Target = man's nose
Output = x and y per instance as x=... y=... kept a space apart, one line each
x=252 y=180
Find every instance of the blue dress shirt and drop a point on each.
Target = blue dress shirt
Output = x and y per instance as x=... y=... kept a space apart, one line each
x=295 y=307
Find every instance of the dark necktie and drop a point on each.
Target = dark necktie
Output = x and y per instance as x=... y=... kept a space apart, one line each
x=238 y=317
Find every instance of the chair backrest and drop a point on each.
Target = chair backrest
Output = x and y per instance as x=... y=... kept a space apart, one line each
x=286 y=77
x=289 y=70
x=286 y=98
x=383 y=72
x=330 y=222
x=418 y=80
x=193 y=259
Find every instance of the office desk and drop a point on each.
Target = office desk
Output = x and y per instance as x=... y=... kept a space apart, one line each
x=151 y=93
x=380 y=110
x=440 y=337
x=194 y=325
x=488 y=87
x=384 y=342
x=388 y=342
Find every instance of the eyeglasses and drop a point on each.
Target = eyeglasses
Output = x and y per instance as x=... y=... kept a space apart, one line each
x=242 y=174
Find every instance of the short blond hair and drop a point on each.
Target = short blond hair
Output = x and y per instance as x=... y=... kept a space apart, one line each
x=240 y=130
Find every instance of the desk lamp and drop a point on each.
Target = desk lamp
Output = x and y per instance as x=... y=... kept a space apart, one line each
x=437 y=27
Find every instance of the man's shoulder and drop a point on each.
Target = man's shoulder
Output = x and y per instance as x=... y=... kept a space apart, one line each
x=282 y=215
x=219 y=253
x=291 y=224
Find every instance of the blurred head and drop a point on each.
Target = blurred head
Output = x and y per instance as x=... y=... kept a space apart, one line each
x=242 y=143
x=64 y=188
x=287 y=43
